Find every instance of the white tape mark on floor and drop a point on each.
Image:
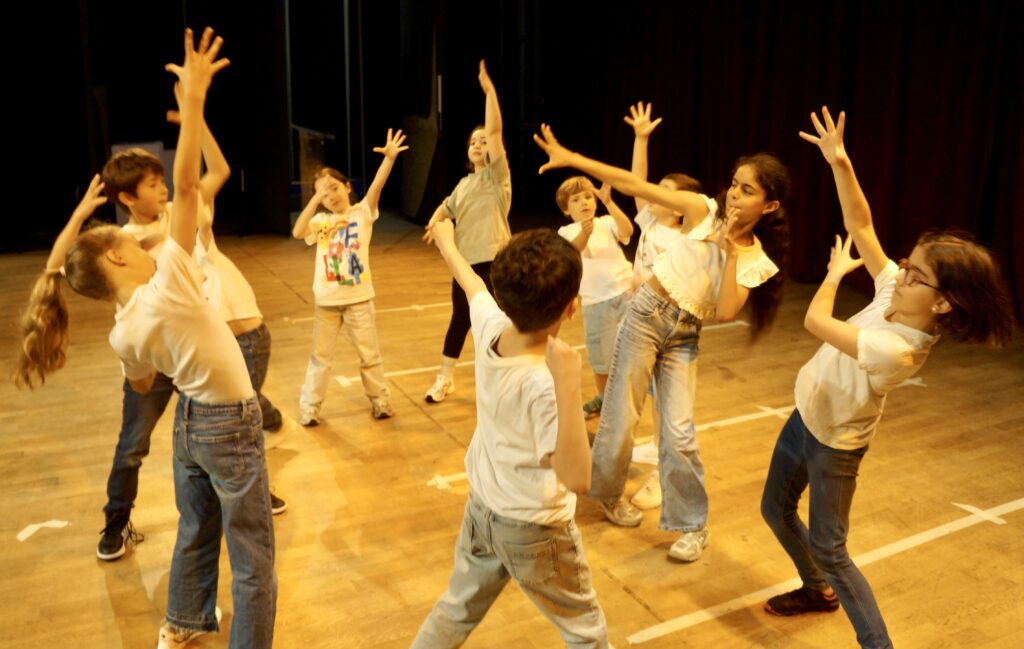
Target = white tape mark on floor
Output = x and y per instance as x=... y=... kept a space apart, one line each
x=686 y=621
x=35 y=527
x=444 y=481
x=977 y=512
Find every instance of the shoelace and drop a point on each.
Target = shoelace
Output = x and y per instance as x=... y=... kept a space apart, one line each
x=134 y=535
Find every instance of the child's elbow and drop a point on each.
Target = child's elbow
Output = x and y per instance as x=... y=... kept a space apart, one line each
x=580 y=485
x=811 y=323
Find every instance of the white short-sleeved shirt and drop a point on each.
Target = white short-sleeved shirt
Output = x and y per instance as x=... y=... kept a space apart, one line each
x=342 y=269
x=655 y=239
x=168 y=326
x=841 y=398
x=479 y=205
x=606 y=272
x=691 y=270
x=509 y=459
x=231 y=292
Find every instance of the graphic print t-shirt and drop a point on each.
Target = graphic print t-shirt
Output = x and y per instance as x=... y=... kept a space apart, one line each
x=342 y=272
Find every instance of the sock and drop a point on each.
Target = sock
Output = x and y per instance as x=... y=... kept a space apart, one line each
x=448 y=366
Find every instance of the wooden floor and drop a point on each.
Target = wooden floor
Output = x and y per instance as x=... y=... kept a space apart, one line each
x=365 y=546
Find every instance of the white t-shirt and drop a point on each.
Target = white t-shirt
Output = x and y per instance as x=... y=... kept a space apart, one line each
x=509 y=459
x=231 y=291
x=691 y=270
x=606 y=273
x=167 y=326
x=840 y=398
x=479 y=205
x=655 y=239
x=341 y=274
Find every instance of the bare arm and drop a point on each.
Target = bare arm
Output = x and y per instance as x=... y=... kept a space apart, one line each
x=819 y=319
x=571 y=459
x=856 y=211
x=622 y=222
x=92 y=199
x=392 y=147
x=442 y=234
x=492 y=117
x=301 y=228
x=687 y=203
x=640 y=119
x=581 y=240
x=143 y=385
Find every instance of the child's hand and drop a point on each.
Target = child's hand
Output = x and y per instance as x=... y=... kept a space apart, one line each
x=200 y=65
x=563 y=361
x=640 y=119
x=587 y=226
x=485 y=79
x=174 y=116
x=725 y=237
x=440 y=233
x=393 y=146
x=558 y=155
x=840 y=262
x=830 y=136
x=604 y=193
x=92 y=199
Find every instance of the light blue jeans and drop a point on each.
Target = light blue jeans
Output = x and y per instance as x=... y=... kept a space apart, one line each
x=220 y=484
x=656 y=339
x=818 y=549
x=546 y=561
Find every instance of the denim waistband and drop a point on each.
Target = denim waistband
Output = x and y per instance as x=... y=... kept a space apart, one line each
x=190 y=407
x=667 y=305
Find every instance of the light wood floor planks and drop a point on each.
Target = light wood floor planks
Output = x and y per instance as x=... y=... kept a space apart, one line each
x=365 y=546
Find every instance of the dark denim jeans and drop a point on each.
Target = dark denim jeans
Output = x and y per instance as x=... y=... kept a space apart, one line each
x=220 y=484
x=139 y=414
x=255 y=346
x=819 y=548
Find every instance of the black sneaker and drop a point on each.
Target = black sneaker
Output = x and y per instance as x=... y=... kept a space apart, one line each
x=116 y=536
x=273 y=421
x=802 y=600
x=277 y=506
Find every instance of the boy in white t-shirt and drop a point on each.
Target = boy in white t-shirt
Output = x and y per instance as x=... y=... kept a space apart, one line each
x=529 y=455
x=607 y=276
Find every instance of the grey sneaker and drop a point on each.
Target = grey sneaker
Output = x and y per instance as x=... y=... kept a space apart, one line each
x=382 y=409
x=621 y=512
x=592 y=408
x=690 y=545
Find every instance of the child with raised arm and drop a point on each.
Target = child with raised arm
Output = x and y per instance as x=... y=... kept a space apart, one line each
x=948 y=285
x=164 y=324
x=709 y=273
x=479 y=206
x=529 y=455
x=342 y=283
x=607 y=280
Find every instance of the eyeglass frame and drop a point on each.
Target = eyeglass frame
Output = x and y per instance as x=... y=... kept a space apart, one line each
x=912 y=280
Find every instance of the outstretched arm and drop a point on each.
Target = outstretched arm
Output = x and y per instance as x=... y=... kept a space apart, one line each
x=195 y=75
x=442 y=234
x=819 y=319
x=492 y=117
x=571 y=459
x=687 y=203
x=92 y=199
x=640 y=119
x=392 y=147
x=856 y=211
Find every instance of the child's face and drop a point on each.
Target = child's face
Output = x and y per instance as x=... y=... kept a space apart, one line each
x=660 y=211
x=135 y=256
x=914 y=294
x=150 y=198
x=581 y=205
x=336 y=198
x=748 y=197
x=478 y=148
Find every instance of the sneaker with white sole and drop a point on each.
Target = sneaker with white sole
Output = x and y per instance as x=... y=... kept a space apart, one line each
x=172 y=637
x=648 y=496
x=117 y=535
x=592 y=408
x=443 y=386
x=382 y=409
x=620 y=512
x=309 y=420
x=277 y=505
x=690 y=545
x=645 y=454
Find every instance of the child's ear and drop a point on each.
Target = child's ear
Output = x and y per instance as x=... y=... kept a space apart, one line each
x=942 y=306
x=570 y=309
x=770 y=207
x=113 y=255
x=126 y=199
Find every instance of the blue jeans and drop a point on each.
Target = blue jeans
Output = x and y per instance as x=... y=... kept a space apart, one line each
x=139 y=414
x=656 y=339
x=220 y=484
x=548 y=563
x=255 y=346
x=819 y=549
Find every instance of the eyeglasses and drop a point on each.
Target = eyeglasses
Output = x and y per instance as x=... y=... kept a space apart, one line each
x=911 y=277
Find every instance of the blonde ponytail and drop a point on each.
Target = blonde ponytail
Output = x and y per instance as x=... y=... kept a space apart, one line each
x=44 y=332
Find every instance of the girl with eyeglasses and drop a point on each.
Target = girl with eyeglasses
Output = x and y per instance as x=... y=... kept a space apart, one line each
x=948 y=285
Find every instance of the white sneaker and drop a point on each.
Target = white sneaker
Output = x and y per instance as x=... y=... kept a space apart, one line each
x=648 y=496
x=646 y=454
x=382 y=409
x=443 y=386
x=172 y=638
x=690 y=545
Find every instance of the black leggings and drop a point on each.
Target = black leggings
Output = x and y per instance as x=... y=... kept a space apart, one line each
x=459 y=325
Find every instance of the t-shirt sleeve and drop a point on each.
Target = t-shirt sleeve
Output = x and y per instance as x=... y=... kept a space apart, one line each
x=569 y=232
x=134 y=369
x=644 y=218
x=543 y=415
x=315 y=224
x=754 y=269
x=368 y=214
x=487 y=320
x=609 y=224
x=884 y=355
x=886 y=277
x=178 y=278
x=502 y=178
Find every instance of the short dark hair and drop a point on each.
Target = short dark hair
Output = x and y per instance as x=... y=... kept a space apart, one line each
x=535 y=277
x=684 y=182
x=125 y=171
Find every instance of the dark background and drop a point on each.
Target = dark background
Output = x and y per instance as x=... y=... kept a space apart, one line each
x=933 y=94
